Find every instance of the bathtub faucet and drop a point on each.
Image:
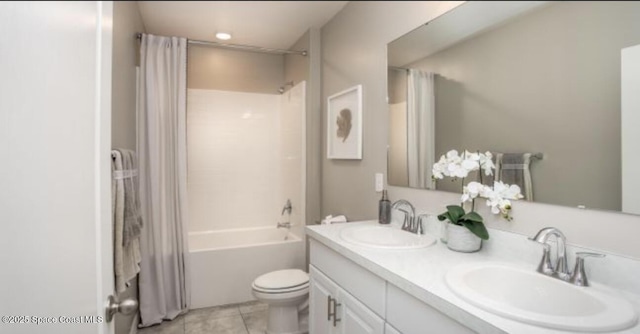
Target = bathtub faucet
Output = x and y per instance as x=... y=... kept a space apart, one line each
x=285 y=225
x=287 y=207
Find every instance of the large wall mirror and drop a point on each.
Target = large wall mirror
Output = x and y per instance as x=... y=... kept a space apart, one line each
x=538 y=84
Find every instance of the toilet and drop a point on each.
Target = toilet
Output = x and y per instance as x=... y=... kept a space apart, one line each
x=286 y=292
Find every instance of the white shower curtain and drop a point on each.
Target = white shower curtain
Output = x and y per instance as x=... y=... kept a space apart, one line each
x=164 y=275
x=420 y=128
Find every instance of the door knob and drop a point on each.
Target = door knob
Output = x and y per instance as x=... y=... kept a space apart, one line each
x=126 y=307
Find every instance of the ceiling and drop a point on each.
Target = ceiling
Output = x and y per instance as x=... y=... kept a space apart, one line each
x=270 y=24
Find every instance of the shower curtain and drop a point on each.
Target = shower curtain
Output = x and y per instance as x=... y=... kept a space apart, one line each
x=420 y=128
x=164 y=275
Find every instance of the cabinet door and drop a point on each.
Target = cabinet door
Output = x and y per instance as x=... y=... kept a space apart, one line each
x=411 y=316
x=321 y=289
x=355 y=317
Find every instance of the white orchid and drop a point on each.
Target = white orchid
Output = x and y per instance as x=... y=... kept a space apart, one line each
x=487 y=163
x=454 y=165
x=498 y=197
x=472 y=190
x=438 y=170
x=457 y=170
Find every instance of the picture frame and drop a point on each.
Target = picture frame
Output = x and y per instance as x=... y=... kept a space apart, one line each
x=344 y=124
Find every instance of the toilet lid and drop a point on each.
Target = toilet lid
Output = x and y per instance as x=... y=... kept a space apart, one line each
x=282 y=279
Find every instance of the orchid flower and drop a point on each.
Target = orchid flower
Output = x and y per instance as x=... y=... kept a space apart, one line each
x=499 y=197
x=472 y=190
x=487 y=163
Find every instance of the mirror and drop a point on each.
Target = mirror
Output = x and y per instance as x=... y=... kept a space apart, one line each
x=542 y=78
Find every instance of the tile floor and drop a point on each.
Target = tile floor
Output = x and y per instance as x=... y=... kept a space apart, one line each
x=245 y=318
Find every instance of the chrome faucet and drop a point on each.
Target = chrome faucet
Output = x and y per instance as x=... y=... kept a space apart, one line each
x=409 y=215
x=545 y=265
x=419 y=226
x=560 y=270
x=579 y=277
x=287 y=207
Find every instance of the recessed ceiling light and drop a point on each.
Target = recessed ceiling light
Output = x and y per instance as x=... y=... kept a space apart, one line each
x=223 y=36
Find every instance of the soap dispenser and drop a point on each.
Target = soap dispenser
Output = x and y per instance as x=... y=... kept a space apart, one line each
x=384 y=209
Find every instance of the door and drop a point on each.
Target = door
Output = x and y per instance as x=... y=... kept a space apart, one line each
x=356 y=318
x=320 y=315
x=55 y=206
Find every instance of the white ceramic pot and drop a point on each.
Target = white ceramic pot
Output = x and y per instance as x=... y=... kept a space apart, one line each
x=460 y=239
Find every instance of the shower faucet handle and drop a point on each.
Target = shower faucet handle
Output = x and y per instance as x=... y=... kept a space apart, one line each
x=287 y=207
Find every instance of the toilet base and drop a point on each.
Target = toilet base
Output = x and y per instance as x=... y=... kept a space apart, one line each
x=287 y=320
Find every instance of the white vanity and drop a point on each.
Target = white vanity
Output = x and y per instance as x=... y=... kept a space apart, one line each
x=358 y=289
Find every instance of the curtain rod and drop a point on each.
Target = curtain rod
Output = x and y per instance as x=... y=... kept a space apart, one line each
x=398 y=68
x=240 y=47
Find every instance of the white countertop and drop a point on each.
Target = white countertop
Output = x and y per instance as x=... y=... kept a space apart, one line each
x=421 y=272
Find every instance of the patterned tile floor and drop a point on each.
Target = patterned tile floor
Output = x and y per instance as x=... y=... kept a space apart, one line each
x=246 y=318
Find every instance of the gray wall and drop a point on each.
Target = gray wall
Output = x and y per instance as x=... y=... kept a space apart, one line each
x=126 y=23
x=397 y=86
x=297 y=69
x=554 y=90
x=233 y=70
x=354 y=52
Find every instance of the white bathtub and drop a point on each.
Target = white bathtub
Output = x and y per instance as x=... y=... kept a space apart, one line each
x=224 y=263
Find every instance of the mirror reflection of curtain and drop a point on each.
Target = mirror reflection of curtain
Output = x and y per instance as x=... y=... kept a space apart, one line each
x=420 y=128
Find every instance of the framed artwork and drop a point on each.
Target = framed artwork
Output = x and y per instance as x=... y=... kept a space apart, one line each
x=344 y=124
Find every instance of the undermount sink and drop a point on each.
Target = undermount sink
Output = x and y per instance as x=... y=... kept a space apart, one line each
x=531 y=297
x=387 y=237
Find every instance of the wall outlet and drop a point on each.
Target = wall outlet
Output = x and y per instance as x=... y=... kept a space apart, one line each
x=379 y=182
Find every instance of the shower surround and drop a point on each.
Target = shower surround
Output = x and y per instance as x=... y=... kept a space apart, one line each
x=246 y=157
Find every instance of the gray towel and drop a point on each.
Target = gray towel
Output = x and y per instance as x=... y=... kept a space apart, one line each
x=132 y=219
x=126 y=255
x=513 y=168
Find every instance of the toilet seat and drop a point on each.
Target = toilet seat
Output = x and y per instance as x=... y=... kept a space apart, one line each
x=282 y=281
x=302 y=287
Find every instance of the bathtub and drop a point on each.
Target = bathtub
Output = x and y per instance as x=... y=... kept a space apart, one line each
x=224 y=263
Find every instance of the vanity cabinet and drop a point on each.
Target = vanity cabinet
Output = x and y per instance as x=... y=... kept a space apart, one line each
x=335 y=311
x=410 y=315
x=321 y=292
x=346 y=298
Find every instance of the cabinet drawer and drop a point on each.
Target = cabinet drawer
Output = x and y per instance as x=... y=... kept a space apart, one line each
x=356 y=280
x=412 y=316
